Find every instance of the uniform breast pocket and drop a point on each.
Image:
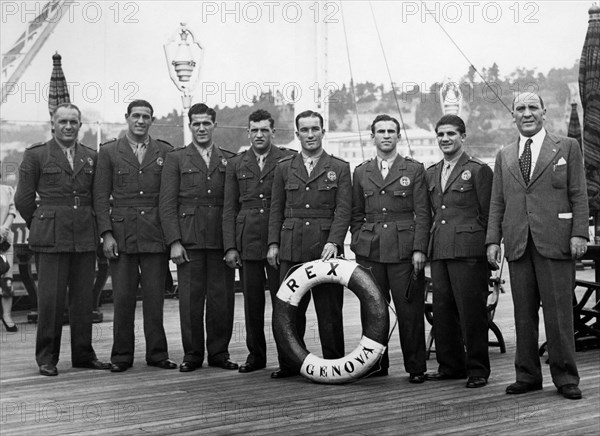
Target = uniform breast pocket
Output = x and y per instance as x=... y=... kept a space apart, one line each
x=43 y=229
x=51 y=175
x=245 y=180
x=404 y=198
x=291 y=192
x=559 y=177
x=469 y=241
x=122 y=176
x=463 y=195
x=362 y=241
x=189 y=177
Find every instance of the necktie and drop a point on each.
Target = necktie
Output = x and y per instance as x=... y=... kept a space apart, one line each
x=261 y=162
x=445 y=176
x=140 y=152
x=309 y=166
x=206 y=156
x=69 y=155
x=384 y=168
x=525 y=161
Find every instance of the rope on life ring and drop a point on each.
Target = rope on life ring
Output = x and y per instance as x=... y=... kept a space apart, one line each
x=374 y=316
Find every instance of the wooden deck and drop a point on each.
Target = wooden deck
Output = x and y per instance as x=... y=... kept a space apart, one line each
x=217 y=402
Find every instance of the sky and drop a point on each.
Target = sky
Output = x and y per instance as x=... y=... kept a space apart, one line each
x=112 y=52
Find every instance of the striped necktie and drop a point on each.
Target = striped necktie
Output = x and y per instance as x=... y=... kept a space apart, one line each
x=69 y=155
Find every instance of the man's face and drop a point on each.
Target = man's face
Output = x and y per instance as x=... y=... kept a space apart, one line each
x=202 y=128
x=386 y=136
x=66 y=125
x=260 y=135
x=310 y=133
x=528 y=114
x=139 y=120
x=450 y=140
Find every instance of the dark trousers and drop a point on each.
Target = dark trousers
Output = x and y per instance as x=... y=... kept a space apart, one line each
x=329 y=300
x=460 y=291
x=56 y=272
x=127 y=272
x=395 y=278
x=206 y=279
x=253 y=285
x=535 y=278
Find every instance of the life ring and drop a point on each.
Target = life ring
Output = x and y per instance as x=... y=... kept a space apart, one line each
x=374 y=313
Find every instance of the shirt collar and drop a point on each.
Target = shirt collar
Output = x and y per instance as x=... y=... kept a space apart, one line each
x=63 y=148
x=133 y=143
x=454 y=161
x=313 y=158
x=203 y=151
x=390 y=160
x=536 y=139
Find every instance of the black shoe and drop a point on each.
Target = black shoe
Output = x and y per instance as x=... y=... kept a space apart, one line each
x=189 y=366
x=13 y=328
x=282 y=373
x=522 y=388
x=437 y=376
x=164 y=364
x=476 y=382
x=570 y=391
x=249 y=367
x=48 y=369
x=416 y=378
x=93 y=364
x=225 y=364
x=119 y=367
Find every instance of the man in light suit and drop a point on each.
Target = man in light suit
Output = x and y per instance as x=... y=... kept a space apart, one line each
x=539 y=205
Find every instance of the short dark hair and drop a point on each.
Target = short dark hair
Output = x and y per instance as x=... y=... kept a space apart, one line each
x=261 y=115
x=201 y=108
x=532 y=93
x=453 y=120
x=140 y=103
x=66 y=106
x=309 y=114
x=385 y=117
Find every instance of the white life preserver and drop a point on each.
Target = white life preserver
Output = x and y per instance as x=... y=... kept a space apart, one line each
x=374 y=313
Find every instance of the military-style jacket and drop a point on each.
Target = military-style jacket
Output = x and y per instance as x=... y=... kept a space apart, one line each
x=191 y=198
x=248 y=202
x=307 y=212
x=391 y=217
x=64 y=220
x=133 y=218
x=461 y=210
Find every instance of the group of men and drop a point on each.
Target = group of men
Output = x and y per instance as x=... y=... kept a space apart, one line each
x=267 y=209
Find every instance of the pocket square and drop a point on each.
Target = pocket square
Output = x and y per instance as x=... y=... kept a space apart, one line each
x=565 y=216
x=561 y=161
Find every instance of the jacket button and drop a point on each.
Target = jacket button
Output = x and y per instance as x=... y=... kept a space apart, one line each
x=75 y=207
x=189 y=170
x=443 y=221
x=443 y=206
x=404 y=194
x=383 y=209
x=142 y=213
x=382 y=192
x=385 y=226
x=209 y=191
x=183 y=214
x=261 y=181
x=307 y=206
x=141 y=171
x=141 y=192
x=262 y=211
x=308 y=188
x=208 y=178
x=307 y=223
x=260 y=196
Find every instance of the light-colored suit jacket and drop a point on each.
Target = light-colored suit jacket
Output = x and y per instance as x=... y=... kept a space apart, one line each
x=553 y=207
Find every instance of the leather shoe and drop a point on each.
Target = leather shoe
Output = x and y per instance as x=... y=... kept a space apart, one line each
x=164 y=364
x=476 y=382
x=522 y=388
x=282 y=373
x=119 y=367
x=226 y=364
x=189 y=366
x=570 y=391
x=437 y=376
x=48 y=369
x=93 y=364
x=416 y=378
x=249 y=367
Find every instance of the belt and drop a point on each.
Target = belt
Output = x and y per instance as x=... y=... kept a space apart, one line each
x=66 y=201
x=256 y=204
x=376 y=217
x=194 y=202
x=308 y=213
x=136 y=202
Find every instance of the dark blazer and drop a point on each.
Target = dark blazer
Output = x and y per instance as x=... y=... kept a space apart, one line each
x=191 y=198
x=391 y=217
x=461 y=210
x=307 y=212
x=248 y=202
x=134 y=187
x=553 y=207
x=64 y=220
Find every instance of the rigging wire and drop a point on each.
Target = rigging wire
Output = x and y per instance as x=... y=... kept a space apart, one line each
x=391 y=81
x=467 y=59
x=362 y=150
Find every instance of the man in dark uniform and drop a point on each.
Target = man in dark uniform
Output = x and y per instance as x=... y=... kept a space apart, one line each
x=249 y=178
x=63 y=234
x=191 y=213
x=129 y=169
x=390 y=231
x=310 y=214
x=459 y=188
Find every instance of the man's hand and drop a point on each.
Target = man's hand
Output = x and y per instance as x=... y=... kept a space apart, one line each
x=493 y=256
x=178 y=253
x=578 y=247
x=273 y=255
x=329 y=250
x=109 y=246
x=4 y=232
x=232 y=259
x=418 y=261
